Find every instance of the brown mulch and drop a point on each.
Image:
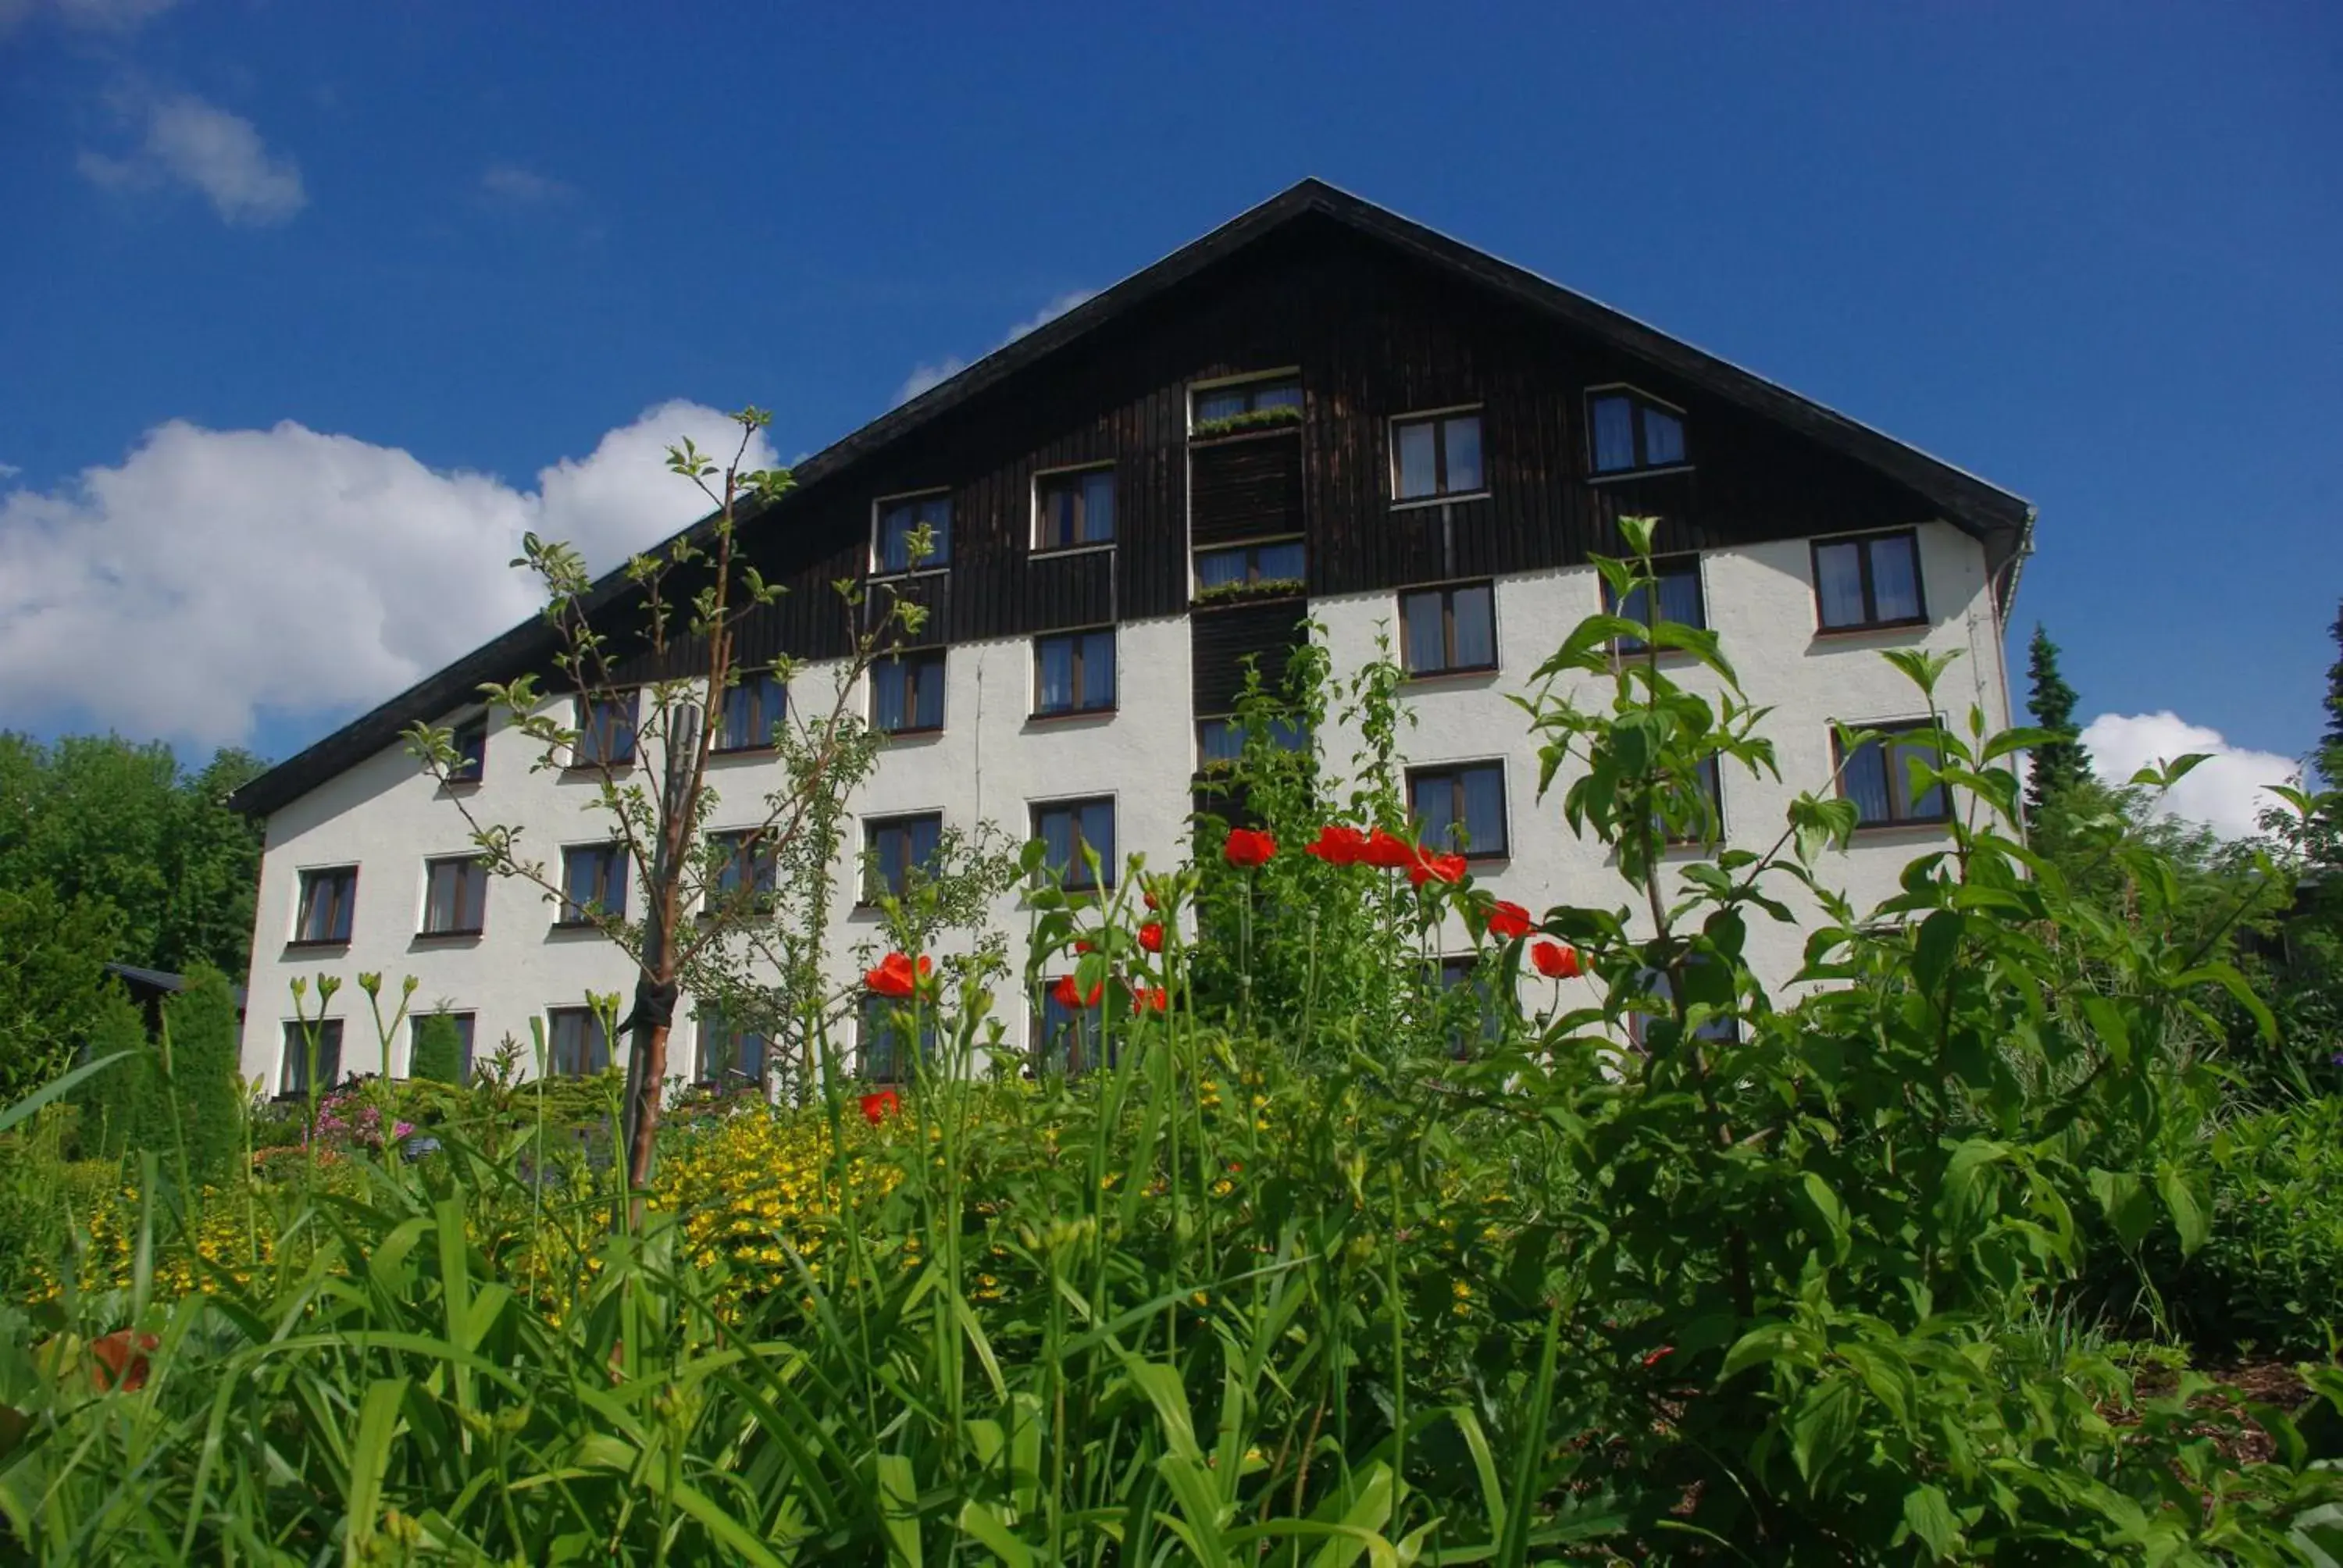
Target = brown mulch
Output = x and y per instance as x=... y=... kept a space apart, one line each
x=2267 y=1382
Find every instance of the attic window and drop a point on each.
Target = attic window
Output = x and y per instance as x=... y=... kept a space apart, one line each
x=1628 y=431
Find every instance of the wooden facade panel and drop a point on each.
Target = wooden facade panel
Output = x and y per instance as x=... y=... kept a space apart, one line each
x=1375 y=337
x=1222 y=639
x=1245 y=489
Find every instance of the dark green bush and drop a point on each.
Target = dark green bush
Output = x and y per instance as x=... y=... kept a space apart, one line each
x=438 y=1051
x=205 y=1072
x=2271 y=1276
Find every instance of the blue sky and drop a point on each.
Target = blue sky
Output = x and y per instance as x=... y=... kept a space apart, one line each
x=2091 y=253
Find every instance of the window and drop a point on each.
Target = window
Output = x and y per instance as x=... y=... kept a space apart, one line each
x=1465 y=974
x=907 y=693
x=593 y=878
x=455 y=897
x=1073 y=672
x=1699 y=819
x=1627 y=431
x=329 y=898
x=1872 y=581
x=471 y=741
x=1680 y=599
x=461 y=1022
x=1071 y=509
x=899 y=519
x=749 y=863
x=322 y=1039
x=1460 y=809
x=1444 y=630
x=730 y=1056
x=886 y=1038
x=1220 y=409
x=1877 y=777
x=606 y=731
x=896 y=847
x=1249 y=565
x=578 y=1046
x=1067 y=1039
x=1722 y=1031
x=1069 y=827
x=1220 y=742
x=1436 y=454
x=752 y=710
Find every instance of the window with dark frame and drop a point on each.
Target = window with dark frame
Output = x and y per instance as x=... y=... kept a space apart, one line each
x=751 y=711
x=1466 y=972
x=1067 y=1039
x=1066 y=829
x=1073 y=510
x=900 y=519
x=895 y=847
x=329 y=896
x=886 y=1035
x=748 y=864
x=1234 y=402
x=1677 y=579
x=1877 y=777
x=1436 y=454
x=578 y=1046
x=730 y=1057
x=1249 y=565
x=1460 y=808
x=907 y=692
x=1700 y=821
x=1868 y=580
x=1448 y=630
x=455 y=897
x=471 y=743
x=606 y=731
x=465 y=1026
x=1221 y=741
x=1627 y=431
x=293 y=1075
x=1725 y=1030
x=593 y=877
x=1073 y=672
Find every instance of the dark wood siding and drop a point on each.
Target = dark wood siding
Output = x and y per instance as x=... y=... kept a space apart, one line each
x=1220 y=640
x=1375 y=337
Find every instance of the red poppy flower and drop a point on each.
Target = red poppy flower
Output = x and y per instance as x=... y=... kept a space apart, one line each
x=895 y=978
x=121 y=1360
x=876 y=1107
x=1081 y=946
x=1149 y=899
x=1149 y=999
x=1151 y=936
x=1508 y=919
x=1555 y=961
x=1387 y=853
x=1068 y=995
x=1339 y=845
x=1247 y=848
x=1437 y=869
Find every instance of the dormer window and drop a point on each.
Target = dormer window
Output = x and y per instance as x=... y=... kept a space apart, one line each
x=1628 y=431
x=471 y=742
x=901 y=517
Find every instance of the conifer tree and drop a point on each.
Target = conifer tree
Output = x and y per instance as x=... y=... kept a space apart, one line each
x=2059 y=764
x=207 y=1076
x=2330 y=743
x=438 y=1050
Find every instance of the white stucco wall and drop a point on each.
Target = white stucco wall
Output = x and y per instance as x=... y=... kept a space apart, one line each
x=992 y=762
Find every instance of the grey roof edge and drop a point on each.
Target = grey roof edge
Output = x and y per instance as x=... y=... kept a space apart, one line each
x=2002 y=520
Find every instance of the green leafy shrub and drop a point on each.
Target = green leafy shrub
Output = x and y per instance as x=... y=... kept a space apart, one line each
x=2270 y=1276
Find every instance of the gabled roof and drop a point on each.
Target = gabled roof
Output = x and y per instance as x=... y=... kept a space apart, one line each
x=2002 y=521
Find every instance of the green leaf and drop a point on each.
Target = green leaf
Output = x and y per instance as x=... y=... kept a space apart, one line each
x=990 y=1526
x=55 y=1087
x=899 y=1500
x=1830 y=1219
x=2187 y=1210
x=1824 y=1425
x=369 y=1460
x=1940 y=944
x=1929 y=1516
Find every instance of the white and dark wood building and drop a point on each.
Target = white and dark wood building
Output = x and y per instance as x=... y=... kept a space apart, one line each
x=1320 y=412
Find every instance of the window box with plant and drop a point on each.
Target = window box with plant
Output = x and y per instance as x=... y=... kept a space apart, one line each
x=1271 y=403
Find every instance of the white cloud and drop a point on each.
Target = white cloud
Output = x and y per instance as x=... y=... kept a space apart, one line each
x=923 y=377
x=215 y=575
x=2228 y=790
x=9 y=470
x=219 y=153
x=519 y=186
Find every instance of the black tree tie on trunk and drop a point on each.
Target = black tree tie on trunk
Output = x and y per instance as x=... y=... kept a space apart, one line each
x=654 y=1005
